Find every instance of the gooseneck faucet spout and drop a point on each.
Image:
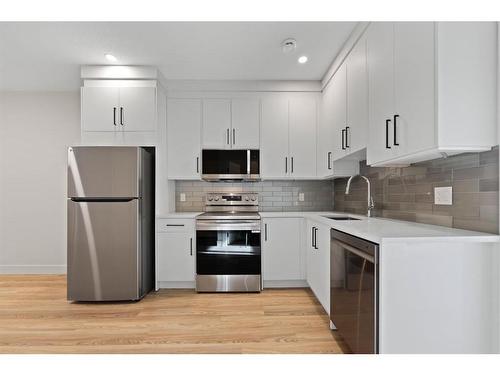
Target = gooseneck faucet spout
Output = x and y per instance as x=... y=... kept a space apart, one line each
x=371 y=205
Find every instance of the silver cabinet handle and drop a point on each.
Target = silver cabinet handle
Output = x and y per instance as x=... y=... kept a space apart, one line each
x=191 y=246
x=114 y=116
x=234 y=137
x=121 y=116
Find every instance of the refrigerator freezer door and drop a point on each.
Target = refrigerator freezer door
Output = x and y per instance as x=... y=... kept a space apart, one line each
x=103 y=251
x=103 y=172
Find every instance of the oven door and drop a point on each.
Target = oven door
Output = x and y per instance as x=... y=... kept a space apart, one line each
x=228 y=247
x=353 y=296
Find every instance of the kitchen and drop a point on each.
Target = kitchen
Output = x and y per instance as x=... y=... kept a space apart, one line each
x=275 y=215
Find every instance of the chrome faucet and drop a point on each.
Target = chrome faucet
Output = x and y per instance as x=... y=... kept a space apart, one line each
x=371 y=205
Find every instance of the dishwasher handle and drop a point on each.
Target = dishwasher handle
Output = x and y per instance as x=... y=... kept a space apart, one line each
x=360 y=253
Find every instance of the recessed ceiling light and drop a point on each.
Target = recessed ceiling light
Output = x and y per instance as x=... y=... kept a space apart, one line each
x=303 y=59
x=110 y=57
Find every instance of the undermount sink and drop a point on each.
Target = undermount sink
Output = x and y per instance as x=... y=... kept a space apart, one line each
x=341 y=218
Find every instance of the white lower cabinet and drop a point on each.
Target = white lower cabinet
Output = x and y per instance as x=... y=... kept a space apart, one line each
x=282 y=256
x=318 y=262
x=176 y=252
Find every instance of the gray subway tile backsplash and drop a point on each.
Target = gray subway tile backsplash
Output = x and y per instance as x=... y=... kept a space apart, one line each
x=273 y=195
x=407 y=193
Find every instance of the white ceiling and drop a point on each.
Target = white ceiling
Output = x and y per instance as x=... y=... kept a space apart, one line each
x=47 y=56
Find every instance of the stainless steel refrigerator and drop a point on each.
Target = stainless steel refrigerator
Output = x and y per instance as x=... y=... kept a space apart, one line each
x=110 y=223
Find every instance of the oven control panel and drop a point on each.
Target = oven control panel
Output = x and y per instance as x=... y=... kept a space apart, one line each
x=232 y=199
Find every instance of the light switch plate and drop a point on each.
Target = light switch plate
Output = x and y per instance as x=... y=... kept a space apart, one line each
x=183 y=197
x=301 y=197
x=443 y=195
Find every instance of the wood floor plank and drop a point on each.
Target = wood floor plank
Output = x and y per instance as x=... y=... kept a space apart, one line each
x=35 y=317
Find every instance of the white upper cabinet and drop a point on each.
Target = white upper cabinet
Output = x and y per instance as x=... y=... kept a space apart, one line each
x=380 y=47
x=326 y=134
x=274 y=138
x=100 y=108
x=183 y=138
x=302 y=137
x=288 y=137
x=138 y=108
x=216 y=124
x=339 y=110
x=245 y=123
x=357 y=98
x=430 y=90
x=118 y=108
x=231 y=123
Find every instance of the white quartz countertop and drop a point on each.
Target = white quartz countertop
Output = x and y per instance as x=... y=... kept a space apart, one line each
x=373 y=229
x=380 y=230
x=179 y=215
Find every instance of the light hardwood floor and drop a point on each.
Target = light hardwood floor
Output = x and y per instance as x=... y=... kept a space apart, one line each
x=36 y=318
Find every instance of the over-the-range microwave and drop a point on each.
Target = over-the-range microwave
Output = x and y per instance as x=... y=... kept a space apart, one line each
x=230 y=165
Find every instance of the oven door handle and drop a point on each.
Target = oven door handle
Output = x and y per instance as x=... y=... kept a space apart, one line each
x=353 y=250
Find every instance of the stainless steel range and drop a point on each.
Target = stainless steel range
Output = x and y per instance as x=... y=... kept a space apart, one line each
x=228 y=256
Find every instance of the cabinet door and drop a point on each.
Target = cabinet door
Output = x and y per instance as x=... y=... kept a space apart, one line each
x=137 y=110
x=357 y=98
x=183 y=138
x=100 y=108
x=380 y=58
x=326 y=134
x=311 y=257
x=302 y=137
x=414 y=87
x=281 y=249
x=245 y=123
x=216 y=124
x=322 y=264
x=176 y=257
x=275 y=162
x=339 y=112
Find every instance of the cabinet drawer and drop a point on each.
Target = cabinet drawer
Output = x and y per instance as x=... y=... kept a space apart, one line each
x=175 y=225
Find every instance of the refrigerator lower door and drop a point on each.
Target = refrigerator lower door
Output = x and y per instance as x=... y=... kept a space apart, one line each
x=103 y=251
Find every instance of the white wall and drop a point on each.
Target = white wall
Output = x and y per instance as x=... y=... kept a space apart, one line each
x=35 y=130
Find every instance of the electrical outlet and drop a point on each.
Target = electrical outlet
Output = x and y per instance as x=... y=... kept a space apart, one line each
x=301 y=197
x=183 y=197
x=443 y=195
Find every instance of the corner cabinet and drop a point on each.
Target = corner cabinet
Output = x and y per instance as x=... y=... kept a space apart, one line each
x=111 y=109
x=175 y=253
x=183 y=138
x=288 y=136
x=283 y=263
x=431 y=91
x=318 y=262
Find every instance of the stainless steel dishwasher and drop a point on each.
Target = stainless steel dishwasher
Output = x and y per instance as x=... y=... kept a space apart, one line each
x=354 y=291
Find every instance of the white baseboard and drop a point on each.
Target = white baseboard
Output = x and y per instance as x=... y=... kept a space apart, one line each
x=175 y=285
x=46 y=269
x=285 y=284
